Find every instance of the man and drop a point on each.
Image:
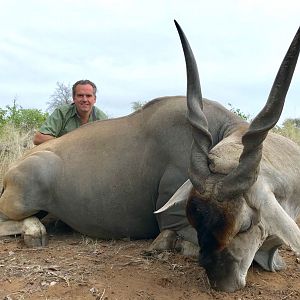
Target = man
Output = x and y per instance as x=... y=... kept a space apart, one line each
x=69 y=117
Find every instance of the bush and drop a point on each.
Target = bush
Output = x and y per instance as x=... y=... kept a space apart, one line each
x=27 y=119
x=290 y=127
x=290 y=130
x=238 y=112
x=22 y=119
x=17 y=126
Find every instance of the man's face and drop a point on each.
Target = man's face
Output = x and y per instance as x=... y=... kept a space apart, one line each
x=84 y=98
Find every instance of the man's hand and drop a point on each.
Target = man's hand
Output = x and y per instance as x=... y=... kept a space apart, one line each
x=40 y=138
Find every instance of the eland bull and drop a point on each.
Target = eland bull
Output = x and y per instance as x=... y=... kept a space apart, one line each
x=242 y=196
x=106 y=179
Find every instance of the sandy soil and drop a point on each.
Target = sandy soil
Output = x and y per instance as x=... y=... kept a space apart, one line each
x=77 y=267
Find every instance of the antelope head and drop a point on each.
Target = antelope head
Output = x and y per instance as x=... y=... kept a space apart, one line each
x=229 y=209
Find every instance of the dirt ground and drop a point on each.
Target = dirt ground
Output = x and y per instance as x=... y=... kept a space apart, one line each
x=78 y=267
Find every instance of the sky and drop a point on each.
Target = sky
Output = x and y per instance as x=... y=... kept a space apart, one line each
x=131 y=50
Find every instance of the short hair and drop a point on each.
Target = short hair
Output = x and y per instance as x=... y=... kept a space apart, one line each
x=83 y=82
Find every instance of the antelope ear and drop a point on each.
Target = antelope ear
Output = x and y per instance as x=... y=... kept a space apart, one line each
x=181 y=195
x=275 y=220
x=280 y=224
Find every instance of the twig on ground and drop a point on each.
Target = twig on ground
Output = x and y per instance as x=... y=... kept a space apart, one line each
x=102 y=295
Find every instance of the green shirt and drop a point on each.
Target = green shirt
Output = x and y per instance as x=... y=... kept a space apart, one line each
x=65 y=119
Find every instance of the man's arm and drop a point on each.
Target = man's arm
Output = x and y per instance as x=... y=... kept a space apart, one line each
x=40 y=138
x=50 y=129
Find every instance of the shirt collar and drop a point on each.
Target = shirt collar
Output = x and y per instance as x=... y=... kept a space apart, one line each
x=74 y=111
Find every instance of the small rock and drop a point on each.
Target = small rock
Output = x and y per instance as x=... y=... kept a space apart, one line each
x=94 y=291
x=44 y=283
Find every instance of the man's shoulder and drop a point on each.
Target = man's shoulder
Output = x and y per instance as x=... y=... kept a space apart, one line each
x=66 y=108
x=99 y=113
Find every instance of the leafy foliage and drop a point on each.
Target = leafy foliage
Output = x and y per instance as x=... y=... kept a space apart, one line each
x=238 y=112
x=290 y=128
x=21 y=118
x=2 y=116
x=136 y=105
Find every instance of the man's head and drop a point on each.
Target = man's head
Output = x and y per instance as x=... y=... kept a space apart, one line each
x=84 y=96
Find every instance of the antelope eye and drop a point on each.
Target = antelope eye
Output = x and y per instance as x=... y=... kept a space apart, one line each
x=246 y=226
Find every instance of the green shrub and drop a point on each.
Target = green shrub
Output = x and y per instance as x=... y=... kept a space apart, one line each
x=238 y=112
x=21 y=118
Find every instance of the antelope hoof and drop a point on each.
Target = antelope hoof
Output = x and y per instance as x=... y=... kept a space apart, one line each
x=34 y=233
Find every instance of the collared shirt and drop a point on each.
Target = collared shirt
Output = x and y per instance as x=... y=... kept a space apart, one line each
x=65 y=119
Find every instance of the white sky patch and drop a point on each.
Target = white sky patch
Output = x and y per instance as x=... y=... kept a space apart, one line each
x=131 y=50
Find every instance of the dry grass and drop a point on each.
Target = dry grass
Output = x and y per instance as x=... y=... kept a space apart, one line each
x=290 y=131
x=13 y=144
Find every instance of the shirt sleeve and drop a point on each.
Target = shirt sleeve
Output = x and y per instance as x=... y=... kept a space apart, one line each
x=53 y=124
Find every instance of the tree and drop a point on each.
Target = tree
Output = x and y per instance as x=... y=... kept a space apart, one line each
x=62 y=95
x=136 y=105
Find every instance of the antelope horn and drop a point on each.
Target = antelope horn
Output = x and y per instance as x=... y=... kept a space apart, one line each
x=245 y=174
x=202 y=140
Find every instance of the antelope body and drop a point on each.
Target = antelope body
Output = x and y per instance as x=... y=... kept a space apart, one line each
x=240 y=191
